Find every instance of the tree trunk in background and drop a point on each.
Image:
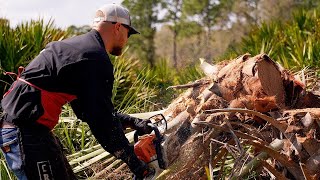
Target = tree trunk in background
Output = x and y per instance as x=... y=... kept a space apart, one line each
x=175 y=59
x=207 y=39
x=207 y=44
x=150 y=55
x=173 y=15
x=144 y=16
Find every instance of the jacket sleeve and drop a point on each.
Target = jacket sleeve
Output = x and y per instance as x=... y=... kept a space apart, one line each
x=94 y=105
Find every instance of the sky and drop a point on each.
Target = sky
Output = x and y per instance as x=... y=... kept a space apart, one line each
x=64 y=12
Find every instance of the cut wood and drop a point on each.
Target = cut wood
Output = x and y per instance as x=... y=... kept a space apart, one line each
x=246 y=102
x=251 y=87
x=194 y=84
x=270 y=77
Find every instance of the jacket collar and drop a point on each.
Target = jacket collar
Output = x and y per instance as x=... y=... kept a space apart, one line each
x=97 y=35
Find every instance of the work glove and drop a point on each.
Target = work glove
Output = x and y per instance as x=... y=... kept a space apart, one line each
x=142 y=127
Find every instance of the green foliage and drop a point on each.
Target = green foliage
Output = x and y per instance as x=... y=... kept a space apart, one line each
x=187 y=29
x=131 y=91
x=162 y=75
x=5 y=173
x=262 y=39
x=21 y=44
x=74 y=134
x=189 y=73
x=294 y=44
x=208 y=10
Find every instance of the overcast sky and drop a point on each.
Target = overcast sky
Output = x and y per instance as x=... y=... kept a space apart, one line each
x=64 y=12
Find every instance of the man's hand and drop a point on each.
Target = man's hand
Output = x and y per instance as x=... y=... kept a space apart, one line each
x=142 y=126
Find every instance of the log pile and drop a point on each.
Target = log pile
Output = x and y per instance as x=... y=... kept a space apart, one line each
x=249 y=116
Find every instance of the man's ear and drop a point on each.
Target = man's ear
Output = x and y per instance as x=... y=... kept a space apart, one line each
x=117 y=27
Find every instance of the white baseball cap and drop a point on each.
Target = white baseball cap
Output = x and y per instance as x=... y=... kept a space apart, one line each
x=115 y=13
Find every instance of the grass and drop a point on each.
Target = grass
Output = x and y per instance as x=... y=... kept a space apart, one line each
x=5 y=173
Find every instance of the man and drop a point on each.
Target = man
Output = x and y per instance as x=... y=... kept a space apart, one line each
x=76 y=70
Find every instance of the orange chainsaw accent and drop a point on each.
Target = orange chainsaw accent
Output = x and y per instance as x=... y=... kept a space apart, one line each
x=145 y=149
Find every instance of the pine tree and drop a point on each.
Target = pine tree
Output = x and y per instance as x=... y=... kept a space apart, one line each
x=144 y=17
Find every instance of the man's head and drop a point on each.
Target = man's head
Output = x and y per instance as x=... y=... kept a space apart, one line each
x=114 y=25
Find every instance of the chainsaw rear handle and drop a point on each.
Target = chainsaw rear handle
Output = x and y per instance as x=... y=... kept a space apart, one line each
x=154 y=128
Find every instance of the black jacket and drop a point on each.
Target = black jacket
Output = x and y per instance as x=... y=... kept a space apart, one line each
x=78 y=67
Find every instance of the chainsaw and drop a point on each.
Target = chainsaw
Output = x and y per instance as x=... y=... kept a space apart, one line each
x=160 y=148
x=150 y=147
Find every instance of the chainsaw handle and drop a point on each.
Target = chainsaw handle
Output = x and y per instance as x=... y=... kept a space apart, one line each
x=163 y=118
x=154 y=128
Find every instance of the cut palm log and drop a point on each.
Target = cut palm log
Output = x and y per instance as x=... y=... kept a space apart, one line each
x=228 y=115
x=269 y=74
x=257 y=85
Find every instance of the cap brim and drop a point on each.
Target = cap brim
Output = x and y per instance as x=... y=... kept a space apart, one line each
x=133 y=31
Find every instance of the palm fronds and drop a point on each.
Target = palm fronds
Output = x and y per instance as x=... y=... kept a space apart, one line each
x=21 y=44
x=294 y=44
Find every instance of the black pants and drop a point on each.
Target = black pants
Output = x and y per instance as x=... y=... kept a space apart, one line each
x=43 y=156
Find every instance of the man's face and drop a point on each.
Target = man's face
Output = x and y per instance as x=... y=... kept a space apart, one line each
x=121 y=40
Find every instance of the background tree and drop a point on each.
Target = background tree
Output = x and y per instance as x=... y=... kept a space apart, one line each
x=208 y=13
x=173 y=15
x=144 y=16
